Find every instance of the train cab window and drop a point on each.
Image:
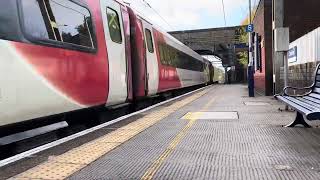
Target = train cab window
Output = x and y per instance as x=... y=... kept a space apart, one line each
x=58 y=20
x=149 y=41
x=114 y=26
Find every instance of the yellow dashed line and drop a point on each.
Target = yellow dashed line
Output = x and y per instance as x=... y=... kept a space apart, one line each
x=64 y=165
x=156 y=165
x=192 y=117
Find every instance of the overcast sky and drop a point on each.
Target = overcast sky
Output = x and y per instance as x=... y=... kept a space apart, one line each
x=193 y=14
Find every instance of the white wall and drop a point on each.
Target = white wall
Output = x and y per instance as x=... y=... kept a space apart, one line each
x=307 y=49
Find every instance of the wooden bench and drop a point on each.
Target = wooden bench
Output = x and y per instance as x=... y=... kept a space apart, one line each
x=306 y=105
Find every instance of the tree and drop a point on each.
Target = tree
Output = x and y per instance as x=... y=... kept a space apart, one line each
x=244 y=38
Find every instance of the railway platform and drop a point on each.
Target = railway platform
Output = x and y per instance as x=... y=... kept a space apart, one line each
x=217 y=132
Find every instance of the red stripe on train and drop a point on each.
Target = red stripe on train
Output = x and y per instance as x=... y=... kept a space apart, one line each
x=81 y=76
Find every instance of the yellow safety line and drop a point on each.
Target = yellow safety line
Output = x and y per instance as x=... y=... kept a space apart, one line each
x=64 y=165
x=192 y=117
x=156 y=165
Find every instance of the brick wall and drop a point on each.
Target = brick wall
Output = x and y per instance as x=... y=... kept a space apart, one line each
x=206 y=39
x=301 y=75
x=258 y=21
x=262 y=23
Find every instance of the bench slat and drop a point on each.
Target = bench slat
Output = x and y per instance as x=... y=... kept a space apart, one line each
x=310 y=102
x=294 y=105
x=317 y=84
x=316 y=90
x=314 y=100
x=303 y=104
x=315 y=95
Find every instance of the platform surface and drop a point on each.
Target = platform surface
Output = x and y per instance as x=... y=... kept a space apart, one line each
x=218 y=133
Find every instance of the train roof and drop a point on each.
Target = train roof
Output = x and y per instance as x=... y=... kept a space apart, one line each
x=176 y=43
x=182 y=47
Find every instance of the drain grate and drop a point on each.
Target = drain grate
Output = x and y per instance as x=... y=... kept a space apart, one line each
x=217 y=115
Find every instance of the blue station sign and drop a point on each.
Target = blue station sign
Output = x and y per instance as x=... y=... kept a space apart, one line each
x=250 y=28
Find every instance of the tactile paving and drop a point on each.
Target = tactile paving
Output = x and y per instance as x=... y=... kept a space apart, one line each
x=85 y=154
x=82 y=156
x=51 y=171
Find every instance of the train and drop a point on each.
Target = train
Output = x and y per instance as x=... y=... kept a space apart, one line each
x=60 y=56
x=216 y=69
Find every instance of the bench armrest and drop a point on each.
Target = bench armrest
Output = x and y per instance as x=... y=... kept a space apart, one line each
x=296 y=88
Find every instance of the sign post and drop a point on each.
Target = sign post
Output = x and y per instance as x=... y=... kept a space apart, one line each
x=250 y=29
x=282 y=45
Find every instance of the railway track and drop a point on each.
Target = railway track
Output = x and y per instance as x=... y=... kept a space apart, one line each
x=19 y=149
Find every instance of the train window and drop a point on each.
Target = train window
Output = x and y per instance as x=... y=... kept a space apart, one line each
x=170 y=56
x=149 y=41
x=34 y=20
x=72 y=21
x=114 y=26
x=58 y=20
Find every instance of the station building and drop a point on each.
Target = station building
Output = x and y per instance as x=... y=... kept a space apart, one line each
x=302 y=18
x=263 y=26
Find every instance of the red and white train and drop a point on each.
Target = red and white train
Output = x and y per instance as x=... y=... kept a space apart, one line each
x=59 y=56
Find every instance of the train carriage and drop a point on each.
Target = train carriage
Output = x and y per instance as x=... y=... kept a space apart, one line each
x=59 y=56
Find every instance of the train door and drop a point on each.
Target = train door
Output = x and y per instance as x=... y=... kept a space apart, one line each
x=127 y=35
x=152 y=63
x=138 y=60
x=115 y=40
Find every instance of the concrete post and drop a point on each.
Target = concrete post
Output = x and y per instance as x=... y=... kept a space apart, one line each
x=278 y=21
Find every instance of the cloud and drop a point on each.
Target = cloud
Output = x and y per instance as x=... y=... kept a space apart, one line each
x=191 y=14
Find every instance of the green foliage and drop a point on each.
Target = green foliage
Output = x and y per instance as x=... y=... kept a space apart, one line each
x=243 y=38
x=243 y=58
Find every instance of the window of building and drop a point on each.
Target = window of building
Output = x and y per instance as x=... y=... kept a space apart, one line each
x=149 y=41
x=58 y=20
x=114 y=26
